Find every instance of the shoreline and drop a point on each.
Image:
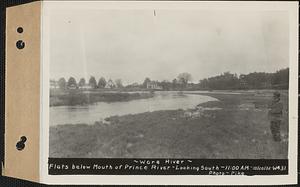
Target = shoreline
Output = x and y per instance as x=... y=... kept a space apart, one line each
x=74 y=98
x=86 y=97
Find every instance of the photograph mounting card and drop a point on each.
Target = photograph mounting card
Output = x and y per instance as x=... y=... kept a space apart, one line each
x=169 y=92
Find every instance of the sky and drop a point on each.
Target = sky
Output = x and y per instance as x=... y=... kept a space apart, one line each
x=134 y=44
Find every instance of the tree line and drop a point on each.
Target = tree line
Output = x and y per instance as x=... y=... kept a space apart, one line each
x=256 y=80
x=225 y=81
x=229 y=81
x=92 y=83
x=180 y=82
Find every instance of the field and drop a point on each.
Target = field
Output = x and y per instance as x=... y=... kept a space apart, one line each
x=236 y=126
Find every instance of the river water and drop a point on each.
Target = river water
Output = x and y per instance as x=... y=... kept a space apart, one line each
x=88 y=114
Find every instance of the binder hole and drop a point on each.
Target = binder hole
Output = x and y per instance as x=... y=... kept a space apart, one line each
x=20 y=30
x=20 y=44
x=21 y=144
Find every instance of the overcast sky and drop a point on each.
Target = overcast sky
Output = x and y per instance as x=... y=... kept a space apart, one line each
x=134 y=44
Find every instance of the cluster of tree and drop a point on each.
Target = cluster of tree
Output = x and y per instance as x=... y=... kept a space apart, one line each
x=180 y=82
x=62 y=83
x=256 y=80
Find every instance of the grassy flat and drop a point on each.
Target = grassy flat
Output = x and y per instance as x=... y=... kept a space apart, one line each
x=239 y=129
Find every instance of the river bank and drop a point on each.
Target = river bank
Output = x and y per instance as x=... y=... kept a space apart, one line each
x=236 y=126
x=81 y=97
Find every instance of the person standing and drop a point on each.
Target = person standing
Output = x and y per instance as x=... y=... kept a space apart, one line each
x=275 y=116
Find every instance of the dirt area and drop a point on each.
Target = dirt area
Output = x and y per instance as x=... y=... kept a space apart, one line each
x=236 y=126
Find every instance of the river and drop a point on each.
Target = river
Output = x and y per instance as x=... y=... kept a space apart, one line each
x=88 y=114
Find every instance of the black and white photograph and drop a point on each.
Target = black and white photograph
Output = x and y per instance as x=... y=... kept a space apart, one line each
x=169 y=83
x=150 y=92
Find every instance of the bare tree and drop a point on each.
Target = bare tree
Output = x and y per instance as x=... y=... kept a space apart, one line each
x=184 y=78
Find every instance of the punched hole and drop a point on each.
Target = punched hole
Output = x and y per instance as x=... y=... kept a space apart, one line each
x=20 y=44
x=20 y=30
x=21 y=144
